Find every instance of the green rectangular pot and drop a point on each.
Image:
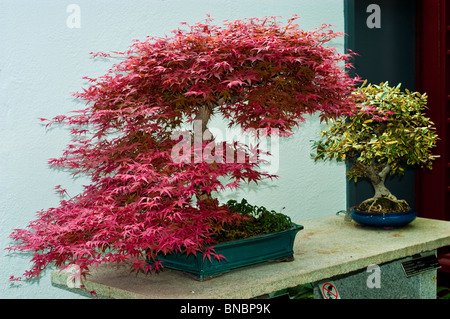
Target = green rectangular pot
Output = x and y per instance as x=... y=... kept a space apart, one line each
x=277 y=246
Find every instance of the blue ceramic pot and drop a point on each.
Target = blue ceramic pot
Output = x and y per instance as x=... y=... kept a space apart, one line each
x=384 y=219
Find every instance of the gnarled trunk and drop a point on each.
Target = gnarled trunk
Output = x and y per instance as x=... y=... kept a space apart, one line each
x=201 y=122
x=381 y=190
x=203 y=116
x=383 y=200
x=378 y=179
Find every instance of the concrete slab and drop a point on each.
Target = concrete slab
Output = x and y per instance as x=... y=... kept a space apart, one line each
x=326 y=248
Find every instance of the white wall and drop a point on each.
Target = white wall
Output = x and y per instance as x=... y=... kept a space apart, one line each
x=42 y=61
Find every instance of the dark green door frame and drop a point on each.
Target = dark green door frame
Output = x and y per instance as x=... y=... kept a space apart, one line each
x=382 y=33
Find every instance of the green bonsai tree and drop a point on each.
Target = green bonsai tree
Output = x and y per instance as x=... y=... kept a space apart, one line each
x=377 y=146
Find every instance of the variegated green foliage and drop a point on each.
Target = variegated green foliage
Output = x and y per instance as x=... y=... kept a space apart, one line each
x=382 y=141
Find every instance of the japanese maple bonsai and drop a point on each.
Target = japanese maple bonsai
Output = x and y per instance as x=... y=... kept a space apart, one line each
x=151 y=192
x=378 y=145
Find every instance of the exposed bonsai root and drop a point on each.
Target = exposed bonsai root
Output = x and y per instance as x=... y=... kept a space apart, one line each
x=383 y=205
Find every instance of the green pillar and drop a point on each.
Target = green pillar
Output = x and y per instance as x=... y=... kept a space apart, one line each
x=382 y=33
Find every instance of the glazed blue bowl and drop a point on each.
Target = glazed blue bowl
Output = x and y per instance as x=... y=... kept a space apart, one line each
x=383 y=219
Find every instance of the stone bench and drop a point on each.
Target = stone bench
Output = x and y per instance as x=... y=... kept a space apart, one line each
x=328 y=249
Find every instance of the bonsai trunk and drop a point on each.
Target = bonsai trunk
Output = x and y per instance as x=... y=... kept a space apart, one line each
x=201 y=121
x=203 y=116
x=380 y=189
x=377 y=179
x=383 y=201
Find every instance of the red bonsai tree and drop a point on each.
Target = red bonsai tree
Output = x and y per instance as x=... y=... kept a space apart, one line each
x=147 y=194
